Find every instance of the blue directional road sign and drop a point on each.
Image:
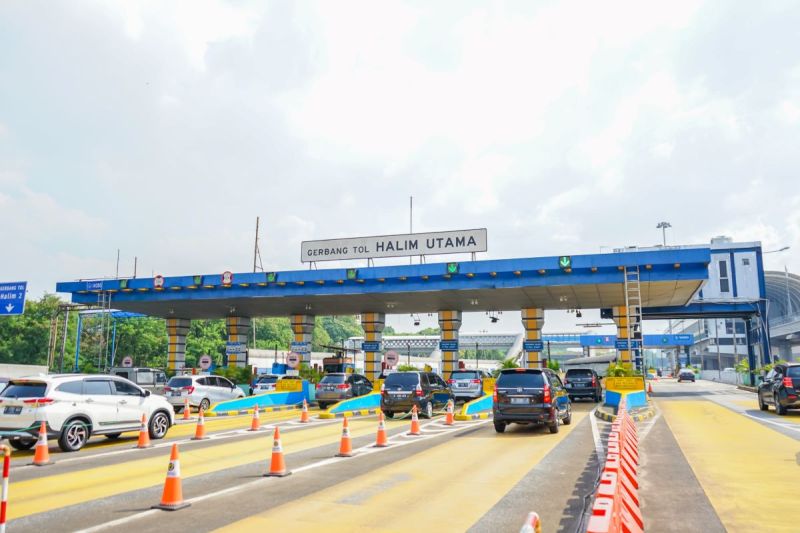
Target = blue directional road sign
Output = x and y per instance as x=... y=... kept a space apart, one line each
x=448 y=346
x=681 y=339
x=235 y=348
x=601 y=341
x=533 y=346
x=300 y=347
x=622 y=344
x=12 y=297
x=371 y=346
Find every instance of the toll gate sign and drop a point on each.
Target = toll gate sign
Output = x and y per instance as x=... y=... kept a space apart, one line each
x=12 y=297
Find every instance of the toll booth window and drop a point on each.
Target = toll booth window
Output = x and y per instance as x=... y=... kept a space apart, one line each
x=122 y=373
x=145 y=377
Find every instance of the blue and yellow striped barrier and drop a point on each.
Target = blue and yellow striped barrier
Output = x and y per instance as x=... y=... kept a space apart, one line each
x=478 y=408
x=369 y=404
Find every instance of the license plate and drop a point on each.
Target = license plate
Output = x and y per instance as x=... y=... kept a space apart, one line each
x=176 y=393
x=330 y=389
x=519 y=400
x=12 y=410
x=463 y=385
x=391 y=393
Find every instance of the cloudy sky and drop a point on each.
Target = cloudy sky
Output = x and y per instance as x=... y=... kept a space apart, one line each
x=164 y=128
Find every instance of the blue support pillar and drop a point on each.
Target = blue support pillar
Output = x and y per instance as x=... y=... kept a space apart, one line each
x=751 y=353
x=78 y=342
x=113 y=344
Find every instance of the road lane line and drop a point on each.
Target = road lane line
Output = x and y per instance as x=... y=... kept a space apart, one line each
x=599 y=449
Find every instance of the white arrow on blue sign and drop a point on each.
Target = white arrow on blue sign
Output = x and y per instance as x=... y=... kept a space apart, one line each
x=12 y=297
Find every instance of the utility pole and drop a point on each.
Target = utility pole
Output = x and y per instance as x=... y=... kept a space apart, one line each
x=116 y=275
x=256 y=251
x=63 y=342
x=411 y=223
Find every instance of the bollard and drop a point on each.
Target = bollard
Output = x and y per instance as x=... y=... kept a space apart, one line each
x=4 y=501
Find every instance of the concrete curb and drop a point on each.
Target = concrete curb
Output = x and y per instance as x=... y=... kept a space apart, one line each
x=250 y=411
x=640 y=416
x=350 y=414
x=475 y=416
x=747 y=388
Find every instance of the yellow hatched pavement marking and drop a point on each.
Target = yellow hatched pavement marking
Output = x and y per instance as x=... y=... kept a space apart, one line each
x=744 y=467
x=52 y=492
x=438 y=488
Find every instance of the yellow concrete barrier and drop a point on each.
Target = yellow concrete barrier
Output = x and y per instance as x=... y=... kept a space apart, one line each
x=376 y=385
x=488 y=385
x=289 y=385
x=625 y=384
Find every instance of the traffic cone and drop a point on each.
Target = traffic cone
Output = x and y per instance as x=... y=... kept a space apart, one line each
x=414 y=422
x=172 y=497
x=200 y=430
x=304 y=413
x=448 y=419
x=144 y=435
x=255 y=424
x=381 y=441
x=41 y=456
x=277 y=467
x=187 y=410
x=345 y=447
x=649 y=388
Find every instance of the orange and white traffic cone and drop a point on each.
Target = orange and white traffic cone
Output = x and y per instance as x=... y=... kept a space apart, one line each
x=144 y=434
x=41 y=456
x=172 y=497
x=187 y=410
x=277 y=467
x=414 y=423
x=345 y=446
x=649 y=388
x=448 y=418
x=304 y=413
x=255 y=424
x=381 y=441
x=200 y=430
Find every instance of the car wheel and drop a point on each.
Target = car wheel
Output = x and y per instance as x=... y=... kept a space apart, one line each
x=761 y=404
x=73 y=436
x=428 y=410
x=598 y=397
x=112 y=436
x=554 y=426
x=159 y=424
x=500 y=427
x=388 y=414
x=205 y=404
x=568 y=418
x=781 y=410
x=322 y=405
x=178 y=410
x=22 y=444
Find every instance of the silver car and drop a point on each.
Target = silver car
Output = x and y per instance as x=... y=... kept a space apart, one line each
x=202 y=391
x=467 y=384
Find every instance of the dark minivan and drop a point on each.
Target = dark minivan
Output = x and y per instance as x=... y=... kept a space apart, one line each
x=583 y=383
x=780 y=388
x=530 y=396
x=339 y=386
x=403 y=390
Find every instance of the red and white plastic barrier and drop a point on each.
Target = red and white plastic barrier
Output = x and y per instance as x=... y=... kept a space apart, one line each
x=616 y=504
x=4 y=501
x=533 y=524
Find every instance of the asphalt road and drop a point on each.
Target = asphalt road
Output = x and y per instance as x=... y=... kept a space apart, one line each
x=709 y=457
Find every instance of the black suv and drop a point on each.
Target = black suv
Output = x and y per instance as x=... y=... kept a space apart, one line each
x=780 y=388
x=583 y=383
x=403 y=390
x=530 y=396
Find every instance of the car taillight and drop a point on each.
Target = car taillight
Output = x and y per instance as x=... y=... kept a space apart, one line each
x=383 y=387
x=319 y=386
x=546 y=398
x=167 y=389
x=190 y=390
x=787 y=382
x=343 y=386
x=594 y=381
x=418 y=391
x=475 y=381
x=38 y=401
x=451 y=381
x=494 y=395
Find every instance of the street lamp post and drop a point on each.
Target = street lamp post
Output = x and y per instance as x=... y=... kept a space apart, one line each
x=408 y=353
x=477 y=364
x=663 y=227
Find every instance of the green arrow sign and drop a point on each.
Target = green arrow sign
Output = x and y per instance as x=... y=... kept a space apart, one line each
x=452 y=268
x=565 y=261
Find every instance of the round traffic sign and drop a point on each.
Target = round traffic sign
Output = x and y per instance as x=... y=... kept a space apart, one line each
x=158 y=282
x=204 y=362
x=293 y=359
x=127 y=362
x=391 y=358
x=227 y=277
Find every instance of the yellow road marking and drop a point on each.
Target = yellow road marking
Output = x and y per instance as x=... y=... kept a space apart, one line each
x=748 y=471
x=440 y=487
x=52 y=492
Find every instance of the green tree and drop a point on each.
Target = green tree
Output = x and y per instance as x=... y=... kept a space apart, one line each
x=341 y=328
x=429 y=331
x=23 y=338
x=143 y=339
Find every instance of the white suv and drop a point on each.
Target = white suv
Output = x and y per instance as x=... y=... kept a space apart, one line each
x=202 y=391
x=77 y=406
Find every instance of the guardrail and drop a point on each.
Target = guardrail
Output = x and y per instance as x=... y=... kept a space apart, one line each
x=616 y=505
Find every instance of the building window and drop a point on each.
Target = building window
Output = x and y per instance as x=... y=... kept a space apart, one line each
x=729 y=327
x=740 y=327
x=724 y=282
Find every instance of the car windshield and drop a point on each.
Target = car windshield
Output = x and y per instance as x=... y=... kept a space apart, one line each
x=520 y=379
x=579 y=373
x=333 y=378
x=180 y=382
x=403 y=380
x=687 y=373
x=464 y=375
x=793 y=372
x=267 y=379
x=17 y=389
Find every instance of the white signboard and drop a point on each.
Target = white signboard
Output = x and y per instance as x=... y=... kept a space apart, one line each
x=127 y=362
x=292 y=359
x=444 y=242
x=205 y=362
x=391 y=358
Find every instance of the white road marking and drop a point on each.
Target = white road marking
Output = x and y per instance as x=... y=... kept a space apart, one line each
x=357 y=452
x=599 y=449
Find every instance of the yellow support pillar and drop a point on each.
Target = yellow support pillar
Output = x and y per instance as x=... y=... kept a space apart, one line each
x=238 y=330
x=303 y=330
x=373 y=324
x=533 y=322
x=449 y=324
x=621 y=320
x=177 y=328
